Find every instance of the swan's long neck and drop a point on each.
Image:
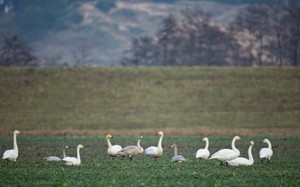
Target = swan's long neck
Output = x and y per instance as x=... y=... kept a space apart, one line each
x=269 y=144
x=78 y=154
x=139 y=143
x=64 y=153
x=15 y=142
x=207 y=144
x=108 y=142
x=233 y=146
x=175 y=150
x=160 y=141
x=250 y=153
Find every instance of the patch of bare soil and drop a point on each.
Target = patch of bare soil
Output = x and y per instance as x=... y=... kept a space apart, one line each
x=169 y=131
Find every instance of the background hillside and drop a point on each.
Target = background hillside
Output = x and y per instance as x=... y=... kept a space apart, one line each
x=62 y=30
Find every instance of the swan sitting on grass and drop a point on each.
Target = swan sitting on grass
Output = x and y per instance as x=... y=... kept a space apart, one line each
x=203 y=153
x=240 y=161
x=112 y=149
x=12 y=154
x=153 y=151
x=132 y=150
x=177 y=157
x=55 y=158
x=73 y=160
x=227 y=154
x=266 y=153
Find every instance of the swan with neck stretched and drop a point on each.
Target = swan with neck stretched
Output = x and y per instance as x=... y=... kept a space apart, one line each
x=12 y=154
x=153 y=151
x=203 y=153
x=177 y=157
x=55 y=158
x=132 y=150
x=266 y=153
x=112 y=150
x=240 y=161
x=73 y=160
x=227 y=154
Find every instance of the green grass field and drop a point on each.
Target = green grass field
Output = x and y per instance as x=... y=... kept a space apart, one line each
x=98 y=169
x=54 y=107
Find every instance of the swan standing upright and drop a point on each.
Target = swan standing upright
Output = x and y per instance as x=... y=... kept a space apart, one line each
x=132 y=150
x=73 y=160
x=227 y=154
x=240 y=161
x=176 y=157
x=266 y=153
x=12 y=154
x=153 y=151
x=55 y=158
x=112 y=150
x=203 y=153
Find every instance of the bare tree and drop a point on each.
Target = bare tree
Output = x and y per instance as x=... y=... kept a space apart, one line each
x=15 y=52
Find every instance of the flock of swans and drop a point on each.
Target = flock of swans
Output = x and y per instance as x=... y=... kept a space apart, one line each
x=228 y=156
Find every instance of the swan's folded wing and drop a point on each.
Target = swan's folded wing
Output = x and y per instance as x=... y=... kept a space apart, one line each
x=12 y=154
x=151 y=151
x=238 y=161
x=202 y=153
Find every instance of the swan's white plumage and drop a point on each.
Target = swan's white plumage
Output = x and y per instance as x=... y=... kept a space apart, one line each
x=266 y=153
x=112 y=150
x=153 y=151
x=73 y=160
x=55 y=158
x=132 y=150
x=12 y=154
x=177 y=157
x=203 y=153
x=227 y=154
x=240 y=161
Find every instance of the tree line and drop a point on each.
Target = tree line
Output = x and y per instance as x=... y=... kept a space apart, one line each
x=260 y=35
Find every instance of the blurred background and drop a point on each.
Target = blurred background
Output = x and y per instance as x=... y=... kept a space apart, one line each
x=88 y=33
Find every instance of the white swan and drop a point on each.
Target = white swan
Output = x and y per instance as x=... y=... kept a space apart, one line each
x=240 y=161
x=12 y=154
x=55 y=158
x=153 y=151
x=227 y=154
x=176 y=157
x=73 y=160
x=112 y=150
x=132 y=150
x=266 y=153
x=203 y=153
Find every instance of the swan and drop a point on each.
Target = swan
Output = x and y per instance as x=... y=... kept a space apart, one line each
x=227 y=154
x=153 y=151
x=266 y=153
x=55 y=158
x=112 y=149
x=73 y=160
x=132 y=150
x=203 y=153
x=176 y=157
x=12 y=154
x=239 y=161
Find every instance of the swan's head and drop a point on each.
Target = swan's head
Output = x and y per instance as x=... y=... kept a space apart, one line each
x=205 y=139
x=109 y=136
x=17 y=132
x=237 y=138
x=141 y=137
x=251 y=143
x=80 y=146
x=66 y=147
x=174 y=145
x=265 y=141
x=160 y=133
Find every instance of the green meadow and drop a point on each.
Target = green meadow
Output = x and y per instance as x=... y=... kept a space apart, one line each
x=54 y=107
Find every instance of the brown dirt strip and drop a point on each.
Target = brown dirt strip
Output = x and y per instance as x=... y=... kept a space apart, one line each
x=168 y=131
